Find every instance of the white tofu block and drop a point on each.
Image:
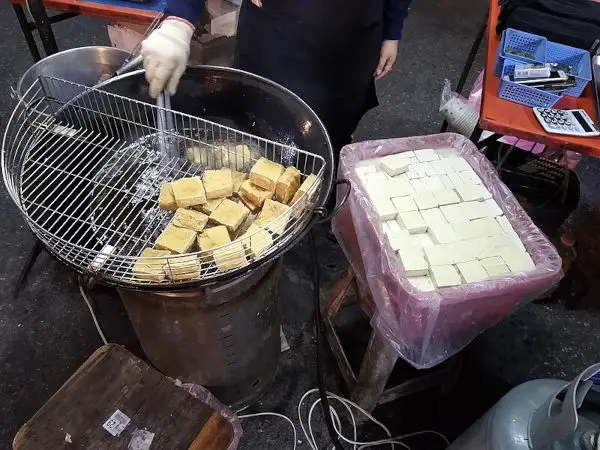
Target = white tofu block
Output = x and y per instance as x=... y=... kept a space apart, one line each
x=473 y=210
x=425 y=200
x=491 y=208
x=446 y=196
x=391 y=225
x=470 y=192
x=406 y=155
x=505 y=224
x=439 y=255
x=424 y=240
x=453 y=213
x=448 y=184
x=402 y=177
x=379 y=178
x=423 y=283
x=413 y=173
x=426 y=155
x=446 y=152
x=442 y=234
x=412 y=221
x=404 y=204
x=423 y=168
x=418 y=185
x=514 y=237
x=414 y=263
x=458 y=163
x=470 y=177
x=455 y=178
x=493 y=246
x=494 y=266
x=472 y=272
x=434 y=183
x=384 y=208
x=399 y=239
x=363 y=170
x=399 y=188
x=464 y=251
x=439 y=167
x=376 y=191
x=433 y=217
x=393 y=165
x=445 y=276
x=486 y=226
x=516 y=259
x=465 y=230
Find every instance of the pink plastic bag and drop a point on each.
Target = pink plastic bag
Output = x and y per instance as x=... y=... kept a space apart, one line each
x=427 y=328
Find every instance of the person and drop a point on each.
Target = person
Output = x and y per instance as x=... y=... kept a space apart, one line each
x=328 y=52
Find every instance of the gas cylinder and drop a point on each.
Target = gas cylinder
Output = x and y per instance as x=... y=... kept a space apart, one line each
x=543 y=414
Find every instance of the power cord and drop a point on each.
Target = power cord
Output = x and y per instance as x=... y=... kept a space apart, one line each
x=89 y=305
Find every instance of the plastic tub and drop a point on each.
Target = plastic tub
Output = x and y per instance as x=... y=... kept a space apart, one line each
x=519 y=41
x=579 y=59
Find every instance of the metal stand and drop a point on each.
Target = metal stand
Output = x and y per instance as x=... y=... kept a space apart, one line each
x=42 y=23
x=368 y=387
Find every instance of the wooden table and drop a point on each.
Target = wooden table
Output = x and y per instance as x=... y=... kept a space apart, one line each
x=116 y=10
x=508 y=118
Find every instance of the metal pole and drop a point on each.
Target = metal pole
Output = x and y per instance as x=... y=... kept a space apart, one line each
x=43 y=24
x=23 y=22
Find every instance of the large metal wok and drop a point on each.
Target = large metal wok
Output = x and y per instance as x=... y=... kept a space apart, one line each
x=86 y=172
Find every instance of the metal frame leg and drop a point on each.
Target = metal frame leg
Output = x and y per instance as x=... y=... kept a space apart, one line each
x=38 y=247
x=43 y=24
x=469 y=63
x=25 y=27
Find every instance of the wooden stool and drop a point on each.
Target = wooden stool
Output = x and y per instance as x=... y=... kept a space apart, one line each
x=117 y=401
x=368 y=388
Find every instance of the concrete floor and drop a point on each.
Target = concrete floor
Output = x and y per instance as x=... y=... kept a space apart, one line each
x=47 y=333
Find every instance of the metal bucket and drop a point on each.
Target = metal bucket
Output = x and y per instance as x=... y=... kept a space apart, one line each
x=83 y=65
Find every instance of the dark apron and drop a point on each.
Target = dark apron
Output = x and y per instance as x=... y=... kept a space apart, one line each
x=323 y=50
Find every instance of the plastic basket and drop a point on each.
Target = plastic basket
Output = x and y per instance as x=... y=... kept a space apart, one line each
x=579 y=59
x=519 y=41
x=522 y=94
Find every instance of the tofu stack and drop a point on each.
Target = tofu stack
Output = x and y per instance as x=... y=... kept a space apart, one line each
x=231 y=217
x=441 y=220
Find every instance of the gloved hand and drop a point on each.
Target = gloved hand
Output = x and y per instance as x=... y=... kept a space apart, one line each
x=166 y=52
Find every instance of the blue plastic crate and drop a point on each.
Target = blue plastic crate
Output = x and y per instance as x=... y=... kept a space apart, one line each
x=524 y=95
x=499 y=58
x=579 y=59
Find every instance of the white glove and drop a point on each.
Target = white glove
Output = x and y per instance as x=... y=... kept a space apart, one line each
x=166 y=52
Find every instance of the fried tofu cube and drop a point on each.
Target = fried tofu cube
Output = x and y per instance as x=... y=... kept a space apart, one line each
x=253 y=194
x=190 y=219
x=150 y=263
x=230 y=214
x=237 y=178
x=175 y=239
x=166 y=199
x=189 y=192
x=304 y=187
x=213 y=237
x=274 y=216
x=218 y=183
x=231 y=256
x=256 y=240
x=287 y=185
x=183 y=268
x=209 y=206
x=265 y=174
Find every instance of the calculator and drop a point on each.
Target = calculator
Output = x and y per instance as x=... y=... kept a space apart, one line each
x=573 y=122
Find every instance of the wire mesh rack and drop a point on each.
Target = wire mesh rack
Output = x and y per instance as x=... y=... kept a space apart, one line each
x=86 y=175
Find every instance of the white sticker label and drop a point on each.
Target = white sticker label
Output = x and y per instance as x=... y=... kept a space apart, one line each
x=140 y=440
x=116 y=423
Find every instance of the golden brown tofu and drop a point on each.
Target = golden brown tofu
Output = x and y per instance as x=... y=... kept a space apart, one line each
x=190 y=219
x=274 y=216
x=237 y=178
x=305 y=187
x=265 y=174
x=213 y=237
x=189 y=192
x=209 y=206
x=166 y=199
x=181 y=268
x=254 y=194
x=230 y=214
x=287 y=185
x=149 y=265
x=175 y=239
x=256 y=240
x=218 y=183
x=231 y=256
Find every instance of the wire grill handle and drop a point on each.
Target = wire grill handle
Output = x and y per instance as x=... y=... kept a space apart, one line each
x=322 y=214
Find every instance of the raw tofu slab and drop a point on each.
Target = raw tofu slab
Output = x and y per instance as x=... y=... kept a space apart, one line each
x=445 y=276
x=458 y=164
x=424 y=240
x=433 y=217
x=491 y=208
x=384 y=208
x=473 y=210
x=422 y=283
x=404 y=204
x=448 y=183
x=472 y=192
x=453 y=213
x=394 y=165
x=426 y=155
x=442 y=233
x=419 y=185
x=399 y=188
x=446 y=197
x=446 y=152
x=412 y=221
x=472 y=272
x=363 y=170
x=439 y=255
x=425 y=200
x=516 y=259
x=434 y=183
x=495 y=266
x=505 y=224
x=414 y=263
x=439 y=167
x=470 y=177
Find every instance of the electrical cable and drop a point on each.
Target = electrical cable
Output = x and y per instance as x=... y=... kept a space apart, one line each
x=94 y=318
x=249 y=416
x=320 y=360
